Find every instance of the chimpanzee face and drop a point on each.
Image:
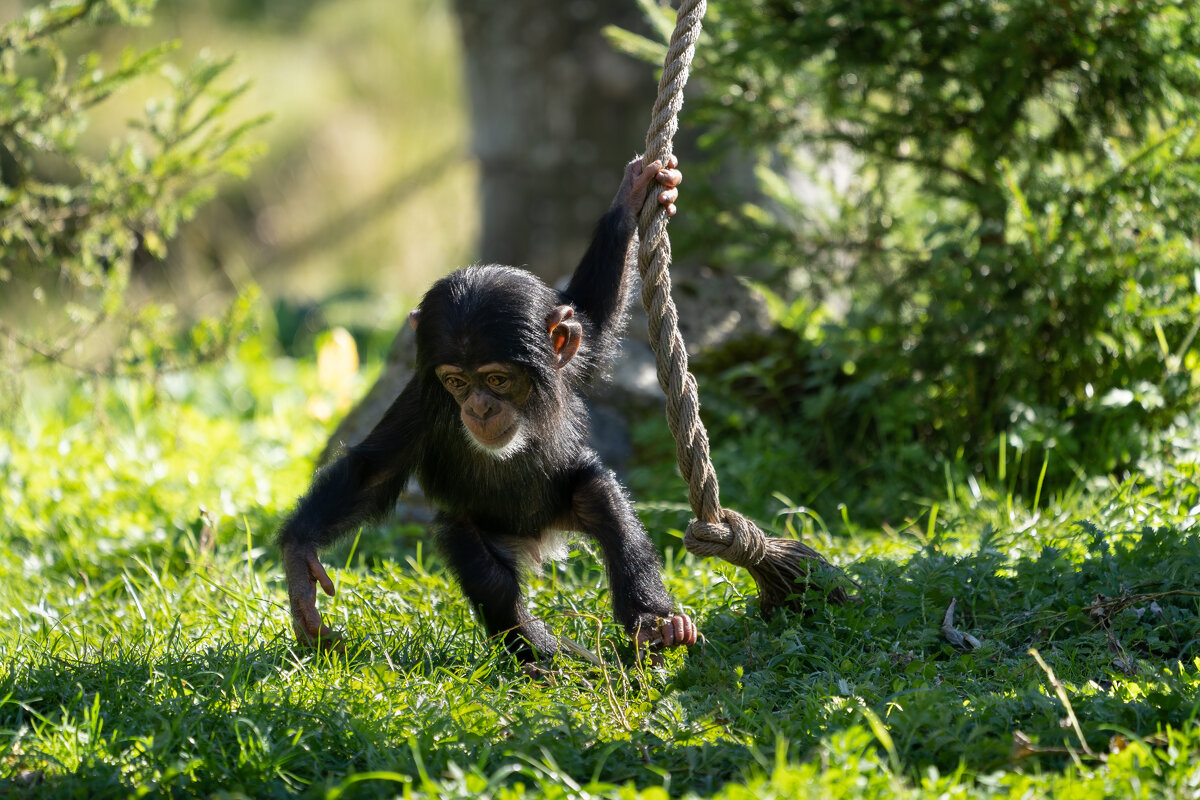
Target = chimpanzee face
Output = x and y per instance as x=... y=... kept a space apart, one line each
x=491 y=400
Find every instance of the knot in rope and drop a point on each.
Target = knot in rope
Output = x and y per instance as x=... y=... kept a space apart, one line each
x=735 y=539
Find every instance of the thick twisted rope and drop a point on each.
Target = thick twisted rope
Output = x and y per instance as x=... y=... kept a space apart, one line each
x=780 y=567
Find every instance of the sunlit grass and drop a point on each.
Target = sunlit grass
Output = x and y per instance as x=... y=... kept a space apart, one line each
x=144 y=641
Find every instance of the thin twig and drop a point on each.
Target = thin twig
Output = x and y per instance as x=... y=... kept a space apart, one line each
x=1062 y=698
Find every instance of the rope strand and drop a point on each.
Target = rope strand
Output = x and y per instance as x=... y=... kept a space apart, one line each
x=780 y=567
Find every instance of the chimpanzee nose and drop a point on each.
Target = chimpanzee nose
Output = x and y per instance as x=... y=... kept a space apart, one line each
x=481 y=407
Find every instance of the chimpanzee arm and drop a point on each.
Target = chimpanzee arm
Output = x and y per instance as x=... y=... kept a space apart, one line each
x=490 y=579
x=600 y=286
x=640 y=600
x=363 y=484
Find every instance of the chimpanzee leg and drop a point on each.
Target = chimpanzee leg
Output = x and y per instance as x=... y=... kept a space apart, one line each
x=489 y=577
x=602 y=511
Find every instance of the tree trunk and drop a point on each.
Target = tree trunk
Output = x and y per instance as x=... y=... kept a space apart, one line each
x=556 y=113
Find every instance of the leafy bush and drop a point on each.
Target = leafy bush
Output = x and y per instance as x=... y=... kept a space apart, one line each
x=73 y=224
x=1007 y=239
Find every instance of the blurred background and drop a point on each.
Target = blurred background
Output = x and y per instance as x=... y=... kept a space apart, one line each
x=911 y=236
x=362 y=189
x=368 y=183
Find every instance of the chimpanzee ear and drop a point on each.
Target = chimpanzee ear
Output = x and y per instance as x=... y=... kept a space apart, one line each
x=565 y=334
x=413 y=317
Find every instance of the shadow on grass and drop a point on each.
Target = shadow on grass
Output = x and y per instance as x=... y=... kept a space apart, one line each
x=258 y=721
x=1116 y=616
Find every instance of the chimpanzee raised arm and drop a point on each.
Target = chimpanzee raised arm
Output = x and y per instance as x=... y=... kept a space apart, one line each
x=599 y=287
x=494 y=427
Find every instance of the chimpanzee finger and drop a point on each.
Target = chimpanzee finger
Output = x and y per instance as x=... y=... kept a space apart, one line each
x=672 y=632
x=679 y=628
x=668 y=197
x=669 y=177
x=319 y=574
x=304 y=636
x=678 y=631
x=325 y=638
x=305 y=616
x=330 y=639
x=643 y=179
x=690 y=631
x=309 y=628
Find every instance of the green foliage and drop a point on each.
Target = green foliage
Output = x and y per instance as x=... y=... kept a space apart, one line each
x=144 y=646
x=1008 y=231
x=73 y=222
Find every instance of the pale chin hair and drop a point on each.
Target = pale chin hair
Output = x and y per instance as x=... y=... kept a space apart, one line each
x=514 y=445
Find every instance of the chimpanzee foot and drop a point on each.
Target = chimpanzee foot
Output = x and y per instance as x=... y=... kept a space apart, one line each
x=678 y=630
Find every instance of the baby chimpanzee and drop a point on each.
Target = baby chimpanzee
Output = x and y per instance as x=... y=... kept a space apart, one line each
x=495 y=429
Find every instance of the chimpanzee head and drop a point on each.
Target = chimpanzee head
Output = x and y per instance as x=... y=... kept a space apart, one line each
x=494 y=338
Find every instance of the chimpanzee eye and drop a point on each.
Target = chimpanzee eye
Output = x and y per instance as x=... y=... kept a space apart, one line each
x=453 y=382
x=497 y=381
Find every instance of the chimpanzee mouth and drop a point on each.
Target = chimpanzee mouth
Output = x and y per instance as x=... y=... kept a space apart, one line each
x=498 y=440
x=507 y=443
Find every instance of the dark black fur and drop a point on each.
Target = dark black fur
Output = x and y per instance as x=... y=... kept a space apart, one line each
x=494 y=513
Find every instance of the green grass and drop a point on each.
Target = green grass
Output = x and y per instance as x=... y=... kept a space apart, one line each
x=144 y=646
